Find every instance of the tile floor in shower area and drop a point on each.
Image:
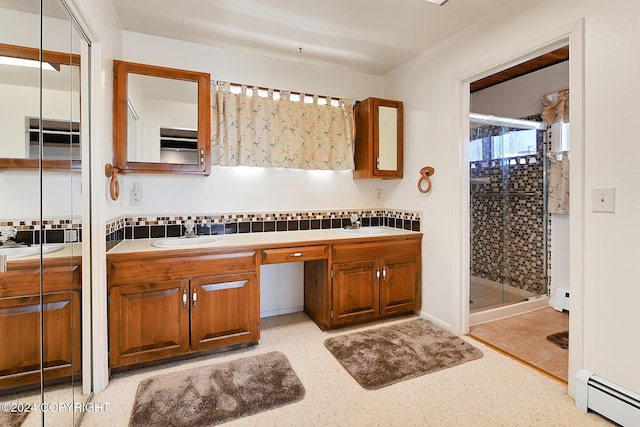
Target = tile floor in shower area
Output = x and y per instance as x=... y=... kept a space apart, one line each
x=484 y=294
x=524 y=336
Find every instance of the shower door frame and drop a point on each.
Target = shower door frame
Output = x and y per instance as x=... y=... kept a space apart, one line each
x=507 y=125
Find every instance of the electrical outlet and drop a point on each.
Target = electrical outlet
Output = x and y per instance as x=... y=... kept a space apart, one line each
x=378 y=193
x=135 y=197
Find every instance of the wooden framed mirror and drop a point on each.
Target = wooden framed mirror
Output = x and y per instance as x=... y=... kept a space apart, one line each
x=161 y=119
x=21 y=88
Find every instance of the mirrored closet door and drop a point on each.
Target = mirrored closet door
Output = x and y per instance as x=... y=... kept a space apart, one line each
x=41 y=229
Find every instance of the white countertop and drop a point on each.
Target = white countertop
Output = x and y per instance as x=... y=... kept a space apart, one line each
x=68 y=250
x=259 y=239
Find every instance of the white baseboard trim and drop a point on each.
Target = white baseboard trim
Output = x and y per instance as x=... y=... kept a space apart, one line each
x=278 y=312
x=436 y=321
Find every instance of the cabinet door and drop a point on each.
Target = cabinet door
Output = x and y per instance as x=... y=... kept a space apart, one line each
x=225 y=310
x=399 y=289
x=20 y=338
x=355 y=291
x=387 y=132
x=148 y=321
x=378 y=139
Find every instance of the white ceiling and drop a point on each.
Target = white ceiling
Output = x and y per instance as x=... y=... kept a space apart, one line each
x=372 y=36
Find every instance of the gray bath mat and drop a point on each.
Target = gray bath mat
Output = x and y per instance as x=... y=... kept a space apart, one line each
x=380 y=357
x=217 y=393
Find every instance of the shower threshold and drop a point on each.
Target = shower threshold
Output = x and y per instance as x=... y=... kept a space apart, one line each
x=507 y=310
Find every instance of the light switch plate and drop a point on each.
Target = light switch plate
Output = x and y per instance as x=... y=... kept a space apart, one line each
x=603 y=200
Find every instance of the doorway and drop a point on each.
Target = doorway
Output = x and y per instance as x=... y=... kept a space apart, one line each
x=510 y=227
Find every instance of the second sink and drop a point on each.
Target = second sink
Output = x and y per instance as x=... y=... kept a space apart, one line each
x=13 y=252
x=362 y=231
x=188 y=242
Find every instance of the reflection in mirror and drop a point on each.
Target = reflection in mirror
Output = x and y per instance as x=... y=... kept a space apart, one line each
x=161 y=119
x=45 y=347
x=388 y=138
x=20 y=110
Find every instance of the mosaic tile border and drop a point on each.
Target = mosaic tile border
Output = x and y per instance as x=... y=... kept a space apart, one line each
x=160 y=226
x=52 y=230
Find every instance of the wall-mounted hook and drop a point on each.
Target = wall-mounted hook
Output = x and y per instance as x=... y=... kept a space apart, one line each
x=425 y=173
x=114 y=186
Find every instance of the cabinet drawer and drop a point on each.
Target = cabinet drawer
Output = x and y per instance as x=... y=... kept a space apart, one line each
x=140 y=269
x=364 y=251
x=16 y=283
x=299 y=253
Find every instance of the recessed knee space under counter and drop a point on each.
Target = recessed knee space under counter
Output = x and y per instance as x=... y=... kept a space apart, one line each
x=172 y=302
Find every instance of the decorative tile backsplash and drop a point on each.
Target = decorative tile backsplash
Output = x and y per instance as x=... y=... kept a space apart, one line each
x=57 y=230
x=160 y=226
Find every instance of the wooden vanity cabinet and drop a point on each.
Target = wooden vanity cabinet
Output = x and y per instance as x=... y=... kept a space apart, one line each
x=20 y=327
x=163 y=305
x=372 y=280
x=378 y=138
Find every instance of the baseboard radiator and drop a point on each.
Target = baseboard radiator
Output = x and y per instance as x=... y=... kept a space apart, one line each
x=620 y=405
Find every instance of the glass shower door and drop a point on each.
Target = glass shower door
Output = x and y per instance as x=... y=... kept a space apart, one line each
x=508 y=230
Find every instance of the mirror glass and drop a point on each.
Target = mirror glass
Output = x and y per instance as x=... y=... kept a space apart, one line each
x=161 y=120
x=388 y=138
x=20 y=110
x=45 y=358
x=162 y=124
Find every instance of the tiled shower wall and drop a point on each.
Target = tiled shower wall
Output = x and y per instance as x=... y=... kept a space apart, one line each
x=507 y=228
x=161 y=226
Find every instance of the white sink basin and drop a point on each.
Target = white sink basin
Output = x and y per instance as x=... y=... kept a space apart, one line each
x=363 y=231
x=22 y=251
x=188 y=242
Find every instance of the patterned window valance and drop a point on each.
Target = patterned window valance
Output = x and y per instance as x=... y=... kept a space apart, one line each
x=269 y=128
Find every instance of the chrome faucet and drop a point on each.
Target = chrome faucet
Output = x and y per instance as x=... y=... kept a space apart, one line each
x=8 y=236
x=189 y=228
x=354 y=222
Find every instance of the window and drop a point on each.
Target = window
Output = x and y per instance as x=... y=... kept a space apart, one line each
x=59 y=138
x=511 y=144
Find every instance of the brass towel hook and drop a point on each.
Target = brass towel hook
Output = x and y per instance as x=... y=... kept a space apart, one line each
x=425 y=173
x=114 y=186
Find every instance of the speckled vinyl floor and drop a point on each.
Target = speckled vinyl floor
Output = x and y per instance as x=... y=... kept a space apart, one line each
x=494 y=390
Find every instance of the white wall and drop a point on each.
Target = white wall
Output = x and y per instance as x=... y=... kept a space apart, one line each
x=428 y=86
x=251 y=189
x=246 y=189
x=521 y=97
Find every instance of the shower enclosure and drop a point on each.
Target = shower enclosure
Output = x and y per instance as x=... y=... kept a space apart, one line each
x=508 y=224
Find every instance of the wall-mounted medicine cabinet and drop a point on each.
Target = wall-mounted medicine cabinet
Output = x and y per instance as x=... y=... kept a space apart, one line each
x=161 y=119
x=378 y=138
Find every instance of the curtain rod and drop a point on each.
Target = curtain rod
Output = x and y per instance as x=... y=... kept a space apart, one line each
x=487 y=119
